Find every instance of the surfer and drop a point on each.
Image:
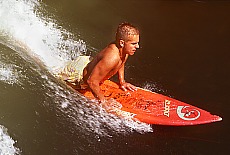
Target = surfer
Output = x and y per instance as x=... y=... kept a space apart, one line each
x=111 y=60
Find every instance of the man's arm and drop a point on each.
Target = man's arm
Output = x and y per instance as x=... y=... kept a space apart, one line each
x=100 y=71
x=124 y=85
x=121 y=75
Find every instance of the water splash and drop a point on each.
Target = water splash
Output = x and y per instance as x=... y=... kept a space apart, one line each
x=7 y=143
x=9 y=74
x=42 y=37
x=154 y=87
x=91 y=117
x=44 y=40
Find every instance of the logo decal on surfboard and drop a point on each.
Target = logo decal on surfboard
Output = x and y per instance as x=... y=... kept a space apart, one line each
x=187 y=113
x=167 y=108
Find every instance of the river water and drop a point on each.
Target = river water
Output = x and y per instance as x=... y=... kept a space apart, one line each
x=183 y=54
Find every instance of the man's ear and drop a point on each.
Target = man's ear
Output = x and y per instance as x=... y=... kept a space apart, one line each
x=121 y=43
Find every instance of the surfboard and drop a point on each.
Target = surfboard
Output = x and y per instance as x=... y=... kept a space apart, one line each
x=153 y=108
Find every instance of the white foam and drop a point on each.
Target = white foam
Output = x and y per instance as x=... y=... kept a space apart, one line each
x=7 y=143
x=53 y=45
x=90 y=116
x=9 y=74
x=153 y=87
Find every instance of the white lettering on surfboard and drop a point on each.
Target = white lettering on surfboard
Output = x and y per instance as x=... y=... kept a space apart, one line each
x=187 y=113
x=167 y=108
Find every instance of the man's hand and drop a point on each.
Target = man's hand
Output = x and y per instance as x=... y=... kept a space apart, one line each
x=127 y=86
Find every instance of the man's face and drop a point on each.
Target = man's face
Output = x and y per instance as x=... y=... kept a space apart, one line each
x=131 y=45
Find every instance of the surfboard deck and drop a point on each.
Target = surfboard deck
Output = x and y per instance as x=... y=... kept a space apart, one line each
x=153 y=108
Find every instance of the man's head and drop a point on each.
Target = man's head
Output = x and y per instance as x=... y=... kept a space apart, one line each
x=127 y=38
x=125 y=30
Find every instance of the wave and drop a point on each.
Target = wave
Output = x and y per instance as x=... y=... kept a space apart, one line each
x=7 y=143
x=22 y=22
x=24 y=28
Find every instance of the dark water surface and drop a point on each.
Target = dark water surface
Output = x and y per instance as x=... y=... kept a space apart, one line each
x=184 y=54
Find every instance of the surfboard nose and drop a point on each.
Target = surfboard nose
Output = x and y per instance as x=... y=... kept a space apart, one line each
x=217 y=118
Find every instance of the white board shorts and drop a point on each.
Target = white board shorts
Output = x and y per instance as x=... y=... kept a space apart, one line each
x=73 y=70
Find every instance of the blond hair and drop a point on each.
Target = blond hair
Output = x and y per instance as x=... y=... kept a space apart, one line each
x=124 y=30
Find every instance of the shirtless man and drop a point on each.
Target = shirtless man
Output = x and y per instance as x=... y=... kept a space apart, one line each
x=111 y=60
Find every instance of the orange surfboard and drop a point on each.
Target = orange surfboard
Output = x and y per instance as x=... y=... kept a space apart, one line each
x=153 y=108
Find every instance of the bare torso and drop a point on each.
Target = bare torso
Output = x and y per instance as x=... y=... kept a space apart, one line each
x=110 y=53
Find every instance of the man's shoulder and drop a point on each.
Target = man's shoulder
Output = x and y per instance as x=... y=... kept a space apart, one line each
x=111 y=50
x=110 y=53
x=112 y=47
